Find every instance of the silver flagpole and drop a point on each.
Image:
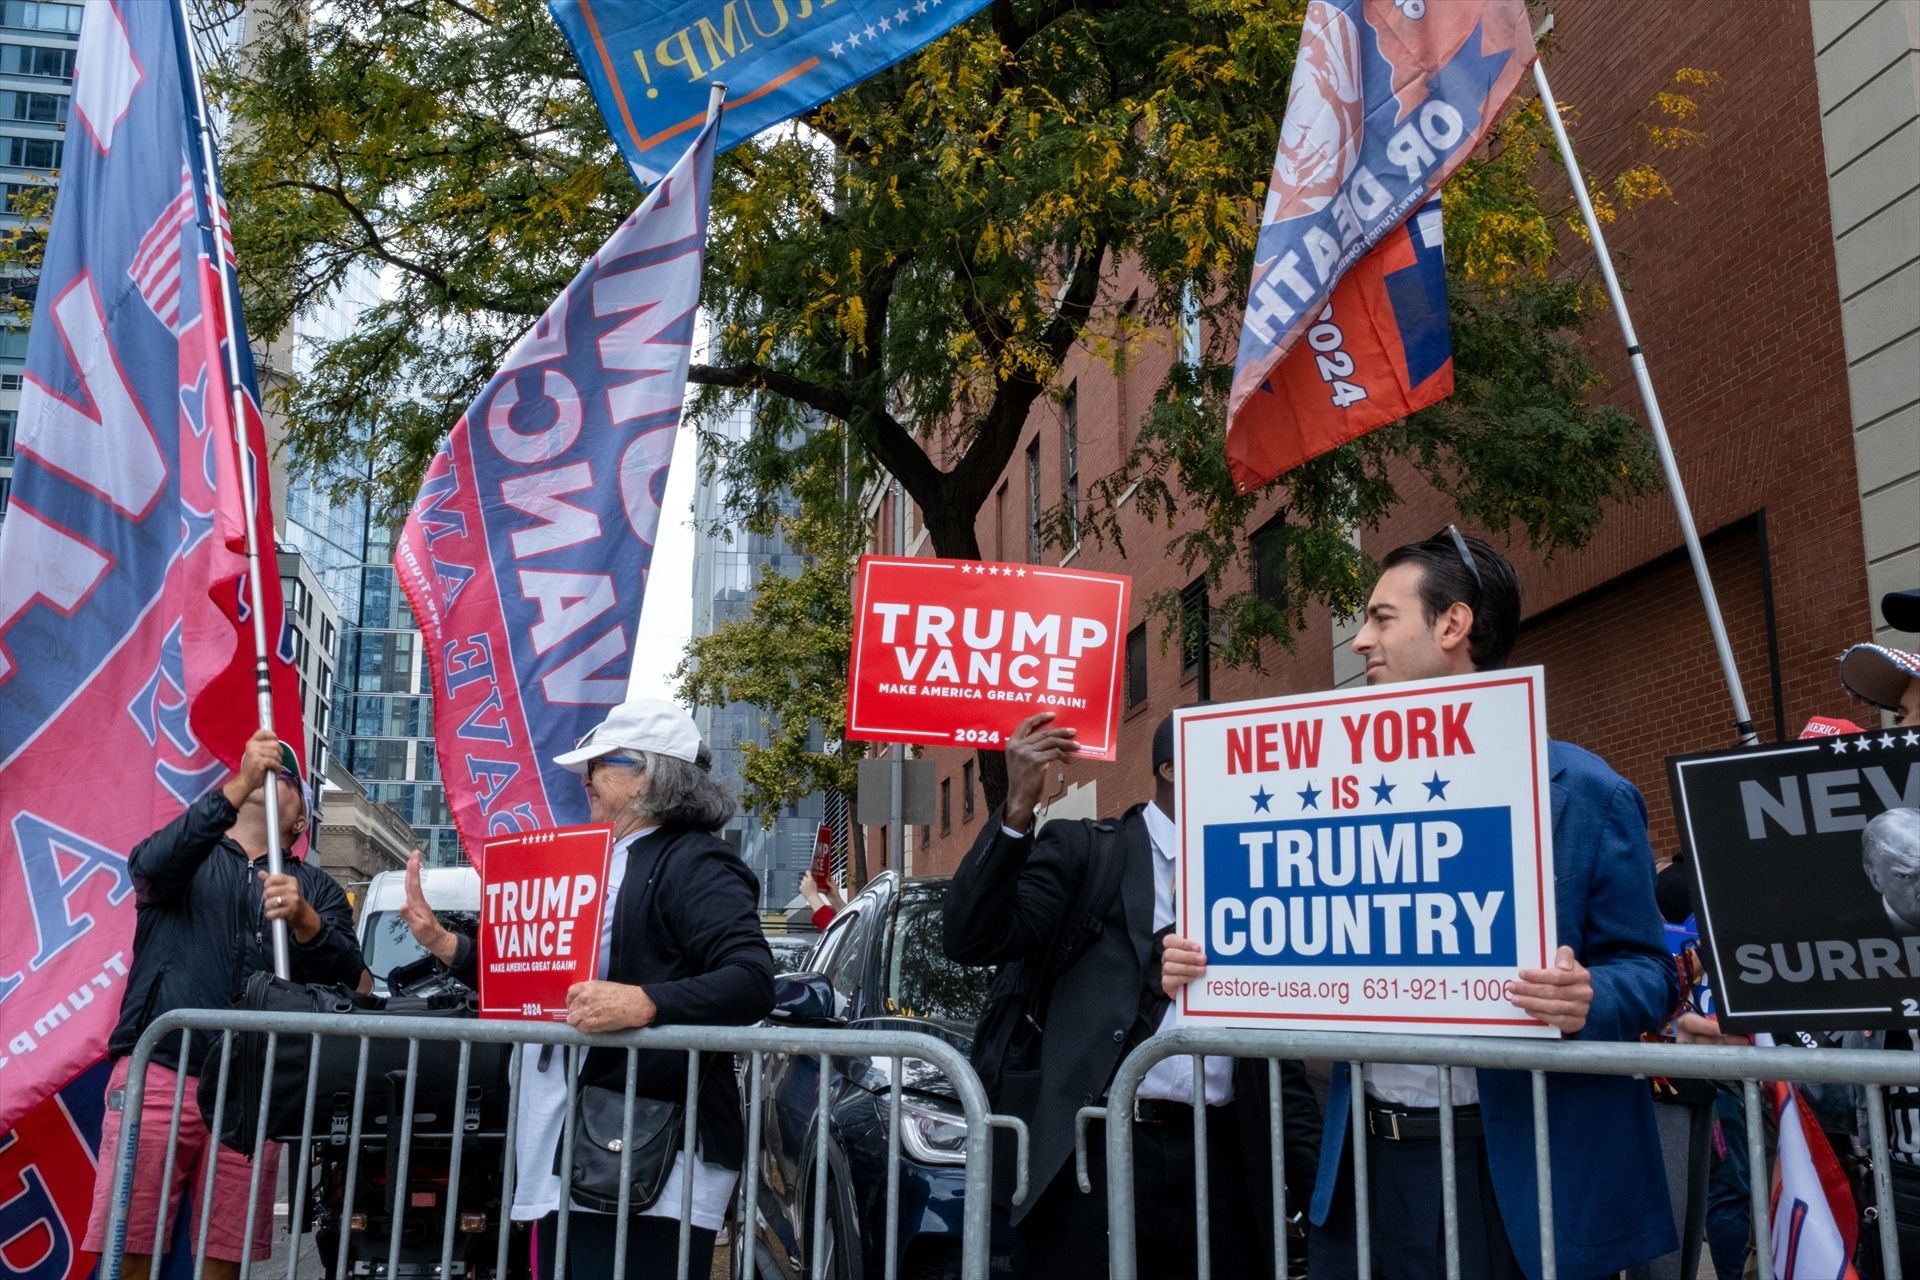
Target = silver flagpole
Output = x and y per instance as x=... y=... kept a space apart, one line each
x=1742 y=718
x=237 y=405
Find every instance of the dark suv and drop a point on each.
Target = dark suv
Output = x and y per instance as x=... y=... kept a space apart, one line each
x=879 y=965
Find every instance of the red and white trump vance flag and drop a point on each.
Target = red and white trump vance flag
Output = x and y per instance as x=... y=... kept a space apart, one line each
x=126 y=653
x=526 y=554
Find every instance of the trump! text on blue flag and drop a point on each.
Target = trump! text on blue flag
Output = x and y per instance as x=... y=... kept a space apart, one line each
x=650 y=62
x=1388 y=98
x=526 y=554
x=126 y=686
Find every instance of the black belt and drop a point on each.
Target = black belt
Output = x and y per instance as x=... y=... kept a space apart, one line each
x=1420 y=1124
x=1167 y=1111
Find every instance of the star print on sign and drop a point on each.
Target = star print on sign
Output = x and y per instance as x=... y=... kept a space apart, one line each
x=1383 y=792
x=1912 y=738
x=1309 y=797
x=1261 y=799
x=1886 y=740
x=1437 y=786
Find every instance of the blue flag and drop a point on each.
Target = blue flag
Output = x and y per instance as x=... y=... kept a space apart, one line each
x=651 y=62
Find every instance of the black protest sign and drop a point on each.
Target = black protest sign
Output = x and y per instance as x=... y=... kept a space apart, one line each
x=1806 y=862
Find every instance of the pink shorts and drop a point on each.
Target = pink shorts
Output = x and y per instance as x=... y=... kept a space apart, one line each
x=233 y=1173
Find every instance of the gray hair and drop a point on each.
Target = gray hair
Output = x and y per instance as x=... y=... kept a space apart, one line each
x=682 y=793
x=1892 y=832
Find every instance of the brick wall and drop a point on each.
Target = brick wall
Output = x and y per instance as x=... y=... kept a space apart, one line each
x=1734 y=295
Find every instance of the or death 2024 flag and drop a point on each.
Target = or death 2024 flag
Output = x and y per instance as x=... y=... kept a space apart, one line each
x=526 y=554
x=1379 y=350
x=1388 y=98
x=650 y=62
x=126 y=654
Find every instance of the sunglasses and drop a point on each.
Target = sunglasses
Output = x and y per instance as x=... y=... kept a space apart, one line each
x=625 y=761
x=1466 y=556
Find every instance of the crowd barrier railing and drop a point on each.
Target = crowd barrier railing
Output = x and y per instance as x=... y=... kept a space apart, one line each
x=365 y=1029
x=1873 y=1071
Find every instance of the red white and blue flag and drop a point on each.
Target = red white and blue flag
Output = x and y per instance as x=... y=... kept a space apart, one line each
x=526 y=554
x=1388 y=98
x=1814 y=1224
x=126 y=685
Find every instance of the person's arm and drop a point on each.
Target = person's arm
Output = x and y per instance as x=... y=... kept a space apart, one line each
x=331 y=953
x=163 y=865
x=713 y=913
x=1010 y=891
x=1635 y=989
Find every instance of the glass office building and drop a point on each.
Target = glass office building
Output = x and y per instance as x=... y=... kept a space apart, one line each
x=729 y=564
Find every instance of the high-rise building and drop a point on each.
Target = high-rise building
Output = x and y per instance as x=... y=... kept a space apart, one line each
x=728 y=565
x=314 y=622
x=38 y=39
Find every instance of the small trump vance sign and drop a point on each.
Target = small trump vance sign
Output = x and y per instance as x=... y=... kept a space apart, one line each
x=1375 y=859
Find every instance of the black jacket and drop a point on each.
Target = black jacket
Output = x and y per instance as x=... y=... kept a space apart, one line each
x=1009 y=900
x=201 y=927
x=686 y=926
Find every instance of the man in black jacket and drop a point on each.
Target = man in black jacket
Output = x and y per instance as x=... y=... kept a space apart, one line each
x=1010 y=900
x=204 y=906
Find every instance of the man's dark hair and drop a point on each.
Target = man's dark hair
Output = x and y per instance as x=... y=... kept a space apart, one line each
x=1447 y=579
x=1163 y=743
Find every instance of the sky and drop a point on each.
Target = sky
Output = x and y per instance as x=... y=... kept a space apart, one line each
x=666 y=613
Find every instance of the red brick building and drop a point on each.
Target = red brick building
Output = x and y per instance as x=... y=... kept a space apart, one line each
x=1760 y=295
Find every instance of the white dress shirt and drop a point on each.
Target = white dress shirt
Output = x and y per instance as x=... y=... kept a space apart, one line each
x=1172 y=1078
x=543 y=1112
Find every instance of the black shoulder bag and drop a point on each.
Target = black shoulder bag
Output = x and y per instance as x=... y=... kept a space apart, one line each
x=599 y=1114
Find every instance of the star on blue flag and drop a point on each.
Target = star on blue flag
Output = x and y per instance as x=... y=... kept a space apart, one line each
x=1309 y=798
x=1260 y=799
x=1437 y=786
x=1383 y=792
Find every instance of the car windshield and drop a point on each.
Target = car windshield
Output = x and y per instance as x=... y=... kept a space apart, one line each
x=389 y=944
x=922 y=982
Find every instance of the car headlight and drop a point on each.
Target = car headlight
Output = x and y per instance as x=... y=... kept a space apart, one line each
x=933 y=1132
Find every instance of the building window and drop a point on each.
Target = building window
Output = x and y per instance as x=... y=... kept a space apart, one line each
x=946 y=805
x=6 y=486
x=966 y=791
x=1269 y=545
x=1000 y=522
x=1136 y=666
x=1033 y=503
x=40 y=15
x=8 y=418
x=36 y=60
x=34 y=108
x=1070 y=464
x=1194 y=618
x=31 y=153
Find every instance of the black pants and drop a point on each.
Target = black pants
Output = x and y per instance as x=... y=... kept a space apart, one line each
x=1065 y=1236
x=1405 y=1212
x=653 y=1247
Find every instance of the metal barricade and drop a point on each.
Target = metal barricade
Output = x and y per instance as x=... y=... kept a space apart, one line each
x=695 y=1041
x=1874 y=1071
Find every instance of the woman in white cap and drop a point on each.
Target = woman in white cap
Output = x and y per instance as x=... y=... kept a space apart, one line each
x=682 y=944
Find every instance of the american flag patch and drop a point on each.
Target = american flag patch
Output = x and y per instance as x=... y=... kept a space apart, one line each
x=155 y=269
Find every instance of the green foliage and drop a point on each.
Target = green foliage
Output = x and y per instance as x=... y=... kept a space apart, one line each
x=916 y=263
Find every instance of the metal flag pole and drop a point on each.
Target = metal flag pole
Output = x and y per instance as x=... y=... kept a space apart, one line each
x=1742 y=718
x=249 y=495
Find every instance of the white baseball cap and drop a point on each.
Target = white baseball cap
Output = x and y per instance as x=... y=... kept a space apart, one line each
x=639 y=724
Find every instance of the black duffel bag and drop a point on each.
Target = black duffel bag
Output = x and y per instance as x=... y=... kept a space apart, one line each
x=434 y=1110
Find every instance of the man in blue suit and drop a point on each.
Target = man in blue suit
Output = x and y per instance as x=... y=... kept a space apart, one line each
x=1451 y=606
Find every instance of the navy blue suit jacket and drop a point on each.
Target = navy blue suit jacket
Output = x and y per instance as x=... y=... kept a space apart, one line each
x=1610 y=1207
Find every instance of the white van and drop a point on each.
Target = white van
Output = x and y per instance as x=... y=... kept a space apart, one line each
x=385 y=942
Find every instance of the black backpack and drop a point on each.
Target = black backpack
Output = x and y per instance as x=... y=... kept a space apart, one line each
x=1006 y=1041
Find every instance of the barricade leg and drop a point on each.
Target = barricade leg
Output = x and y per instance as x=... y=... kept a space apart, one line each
x=259 y=1154
x=1449 y=1176
x=1543 y=1169
x=506 y=1164
x=892 y=1270
x=397 y=1192
x=173 y=1140
x=566 y=1164
x=626 y=1166
x=1202 y=1204
x=1890 y=1265
x=1362 y=1208
x=688 y=1140
x=297 y=1208
x=750 y=1193
x=354 y=1129
x=1277 y=1166
x=820 y=1179
x=458 y=1129
x=1757 y=1179
x=213 y=1164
